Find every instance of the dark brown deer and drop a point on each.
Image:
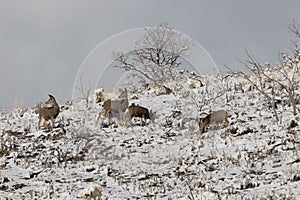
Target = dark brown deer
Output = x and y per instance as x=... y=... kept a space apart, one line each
x=217 y=117
x=49 y=112
x=139 y=111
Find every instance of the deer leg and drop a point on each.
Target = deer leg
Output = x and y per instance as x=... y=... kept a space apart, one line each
x=127 y=121
x=141 y=120
x=144 y=119
x=227 y=122
x=213 y=125
x=102 y=113
x=121 y=115
x=130 y=120
x=39 y=123
x=99 y=115
x=46 y=124
x=203 y=128
x=105 y=112
x=53 y=122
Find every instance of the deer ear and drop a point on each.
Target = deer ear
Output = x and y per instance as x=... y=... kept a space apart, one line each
x=50 y=96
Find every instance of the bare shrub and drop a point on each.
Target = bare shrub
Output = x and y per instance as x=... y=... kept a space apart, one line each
x=155 y=56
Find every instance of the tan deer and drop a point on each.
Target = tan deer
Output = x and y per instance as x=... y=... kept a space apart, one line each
x=119 y=105
x=213 y=119
x=50 y=111
x=99 y=95
x=139 y=111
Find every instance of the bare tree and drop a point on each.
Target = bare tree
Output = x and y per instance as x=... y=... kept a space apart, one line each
x=155 y=56
x=84 y=91
x=280 y=79
x=289 y=68
x=294 y=28
x=257 y=69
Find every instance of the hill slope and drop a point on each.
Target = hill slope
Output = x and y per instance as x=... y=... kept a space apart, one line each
x=254 y=158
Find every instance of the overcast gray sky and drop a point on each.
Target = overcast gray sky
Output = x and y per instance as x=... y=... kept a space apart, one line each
x=43 y=43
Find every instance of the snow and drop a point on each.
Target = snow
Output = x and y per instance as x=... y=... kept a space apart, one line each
x=254 y=158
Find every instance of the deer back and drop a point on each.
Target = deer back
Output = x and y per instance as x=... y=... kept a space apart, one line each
x=119 y=105
x=213 y=118
x=138 y=111
x=218 y=116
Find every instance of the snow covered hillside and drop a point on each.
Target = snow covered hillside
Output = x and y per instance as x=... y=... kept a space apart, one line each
x=255 y=157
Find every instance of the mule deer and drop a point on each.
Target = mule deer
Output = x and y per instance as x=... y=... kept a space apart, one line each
x=139 y=111
x=119 y=105
x=50 y=111
x=99 y=95
x=216 y=117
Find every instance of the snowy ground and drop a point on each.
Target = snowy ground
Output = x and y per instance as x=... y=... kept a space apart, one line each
x=253 y=158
